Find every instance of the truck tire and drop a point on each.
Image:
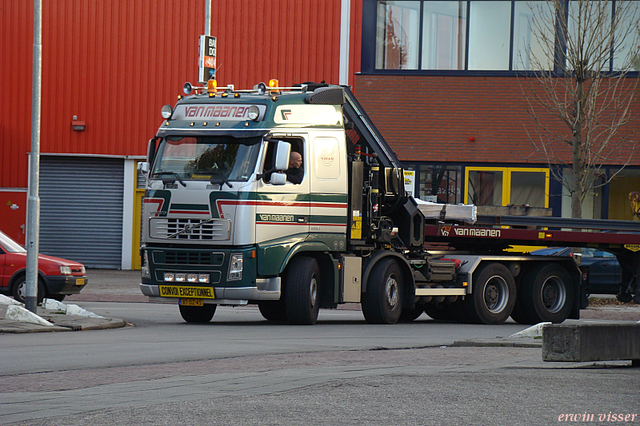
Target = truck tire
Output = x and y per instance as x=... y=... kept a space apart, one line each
x=197 y=314
x=302 y=296
x=493 y=297
x=446 y=311
x=19 y=290
x=547 y=295
x=273 y=310
x=410 y=315
x=382 y=302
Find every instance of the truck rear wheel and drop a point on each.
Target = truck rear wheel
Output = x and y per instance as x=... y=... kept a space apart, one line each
x=197 y=314
x=546 y=296
x=410 y=315
x=382 y=302
x=494 y=295
x=302 y=298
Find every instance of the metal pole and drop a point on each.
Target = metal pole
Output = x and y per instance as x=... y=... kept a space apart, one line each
x=207 y=17
x=33 y=207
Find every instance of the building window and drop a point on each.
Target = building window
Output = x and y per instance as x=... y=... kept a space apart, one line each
x=444 y=35
x=489 y=39
x=529 y=50
x=484 y=35
x=502 y=186
x=440 y=183
x=397 y=35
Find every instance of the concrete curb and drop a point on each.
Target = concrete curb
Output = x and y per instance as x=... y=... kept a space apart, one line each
x=499 y=343
x=53 y=316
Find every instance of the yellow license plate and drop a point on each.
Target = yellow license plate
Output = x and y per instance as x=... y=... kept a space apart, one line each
x=192 y=302
x=79 y=281
x=187 y=291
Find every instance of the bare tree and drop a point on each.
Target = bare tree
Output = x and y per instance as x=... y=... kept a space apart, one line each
x=581 y=53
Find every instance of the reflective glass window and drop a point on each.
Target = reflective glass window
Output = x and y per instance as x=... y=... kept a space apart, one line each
x=444 y=35
x=397 y=35
x=489 y=35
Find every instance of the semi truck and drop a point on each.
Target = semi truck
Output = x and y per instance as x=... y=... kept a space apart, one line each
x=223 y=224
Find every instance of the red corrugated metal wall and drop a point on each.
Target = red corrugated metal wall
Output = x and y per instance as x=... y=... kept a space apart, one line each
x=16 y=47
x=114 y=63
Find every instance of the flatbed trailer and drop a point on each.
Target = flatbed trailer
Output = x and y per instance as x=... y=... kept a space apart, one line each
x=541 y=282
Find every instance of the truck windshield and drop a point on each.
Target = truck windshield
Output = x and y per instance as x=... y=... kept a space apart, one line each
x=202 y=158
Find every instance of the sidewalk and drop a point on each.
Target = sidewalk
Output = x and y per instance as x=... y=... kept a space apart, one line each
x=103 y=286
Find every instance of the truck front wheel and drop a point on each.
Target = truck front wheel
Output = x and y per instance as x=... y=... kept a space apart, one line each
x=301 y=297
x=197 y=314
x=273 y=310
x=546 y=295
x=494 y=295
x=382 y=302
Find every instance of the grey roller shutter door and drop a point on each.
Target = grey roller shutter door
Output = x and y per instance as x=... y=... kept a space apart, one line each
x=81 y=209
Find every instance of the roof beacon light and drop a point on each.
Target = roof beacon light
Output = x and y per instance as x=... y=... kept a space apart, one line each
x=166 y=112
x=212 y=86
x=274 y=86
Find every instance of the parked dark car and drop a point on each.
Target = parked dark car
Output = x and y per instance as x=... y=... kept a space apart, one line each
x=56 y=277
x=601 y=272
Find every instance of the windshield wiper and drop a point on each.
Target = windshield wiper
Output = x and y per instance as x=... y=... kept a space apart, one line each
x=220 y=179
x=174 y=174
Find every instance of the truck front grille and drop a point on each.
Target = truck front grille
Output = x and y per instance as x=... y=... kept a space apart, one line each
x=169 y=257
x=189 y=229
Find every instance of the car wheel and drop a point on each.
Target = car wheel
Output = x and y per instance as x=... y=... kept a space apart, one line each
x=19 y=290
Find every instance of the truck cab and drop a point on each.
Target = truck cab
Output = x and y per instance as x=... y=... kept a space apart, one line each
x=221 y=221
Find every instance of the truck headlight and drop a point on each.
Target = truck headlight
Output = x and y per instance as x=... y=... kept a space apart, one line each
x=236 y=264
x=253 y=113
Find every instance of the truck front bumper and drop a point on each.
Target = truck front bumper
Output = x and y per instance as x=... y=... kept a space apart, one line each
x=265 y=289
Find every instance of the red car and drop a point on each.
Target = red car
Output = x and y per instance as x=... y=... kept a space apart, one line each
x=56 y=277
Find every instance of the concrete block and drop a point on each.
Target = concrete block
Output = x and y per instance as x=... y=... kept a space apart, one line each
x=18 y=313
x=535 y=331
x=591 y=342
x=4 y=300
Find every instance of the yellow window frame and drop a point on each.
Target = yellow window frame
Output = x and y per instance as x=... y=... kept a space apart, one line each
x=506 y=181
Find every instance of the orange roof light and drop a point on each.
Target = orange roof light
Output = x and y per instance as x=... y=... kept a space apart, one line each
x=212 y=86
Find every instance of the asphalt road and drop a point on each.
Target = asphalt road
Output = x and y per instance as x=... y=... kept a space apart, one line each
x=241 y=370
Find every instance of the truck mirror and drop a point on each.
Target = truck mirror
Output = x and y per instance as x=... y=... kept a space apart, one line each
x=143 y=167
x=278 y=178
x=283 y=151
x=151 y=150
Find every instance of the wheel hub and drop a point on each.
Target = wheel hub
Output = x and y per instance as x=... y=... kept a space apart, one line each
x=392 y=292
x=313 y=292
x=496 y=294
x=554 y=295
